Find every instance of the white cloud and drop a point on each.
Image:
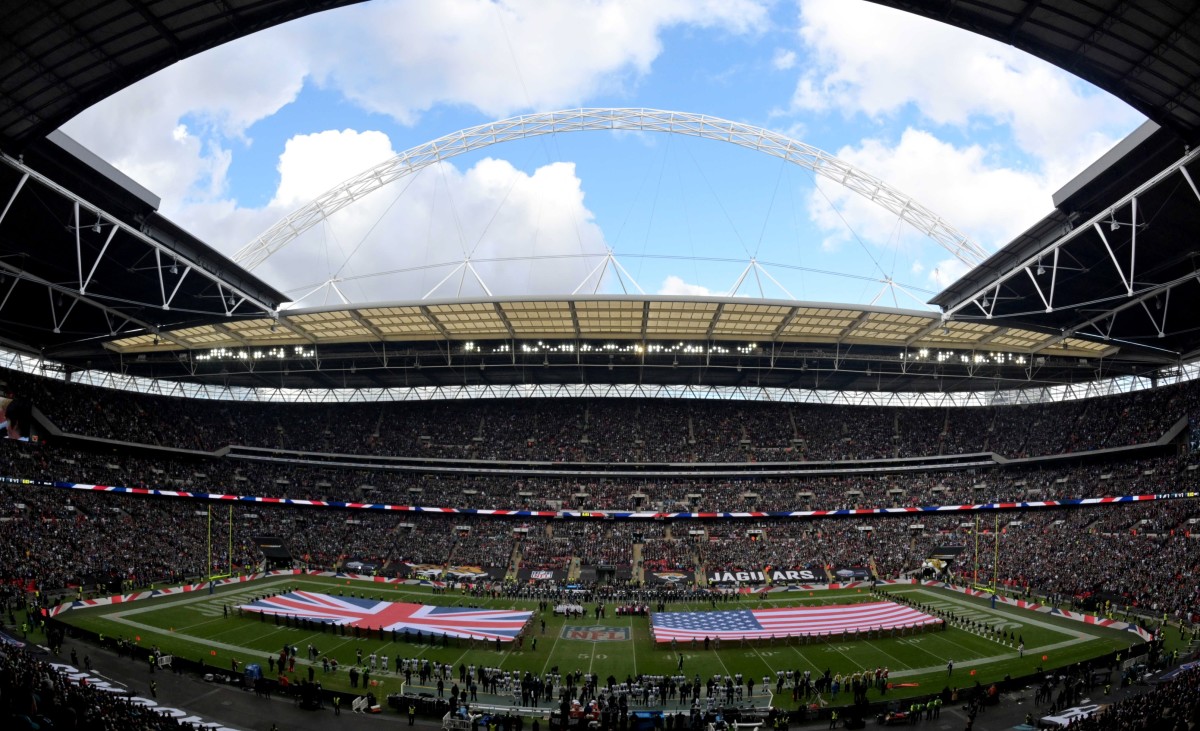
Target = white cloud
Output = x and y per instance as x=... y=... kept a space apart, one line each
x=312 y=164
x=178 y=131
x=506 y=56
x=874 y=60
x=947 y=272
x=174 y=131
x=783 y=59
x=864 y=59
x=418 y=229
x=991 y=204
x=675 y=285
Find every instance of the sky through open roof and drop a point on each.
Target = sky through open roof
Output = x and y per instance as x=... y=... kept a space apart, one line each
x=240 y=136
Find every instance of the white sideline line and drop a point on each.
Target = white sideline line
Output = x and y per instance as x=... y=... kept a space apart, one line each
x=1058 y=629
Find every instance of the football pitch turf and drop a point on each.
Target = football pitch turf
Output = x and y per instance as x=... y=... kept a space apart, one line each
x=193 y=626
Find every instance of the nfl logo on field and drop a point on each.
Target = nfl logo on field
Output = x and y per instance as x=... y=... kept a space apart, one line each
x=596 y=634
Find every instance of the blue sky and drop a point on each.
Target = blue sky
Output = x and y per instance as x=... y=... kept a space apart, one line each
x=238 y=137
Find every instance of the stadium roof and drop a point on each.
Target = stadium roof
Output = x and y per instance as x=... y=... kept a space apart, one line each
x=1117 y=260
x=609 y=339
x=1146 y=53
x=93 y=276
x=638 y=318
x=59 y=57
x=85 y=256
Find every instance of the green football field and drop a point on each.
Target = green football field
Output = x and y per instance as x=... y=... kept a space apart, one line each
x=193 y=626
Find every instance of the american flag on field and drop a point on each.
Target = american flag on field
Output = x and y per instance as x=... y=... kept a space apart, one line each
x=785 y=621
x=480 y=624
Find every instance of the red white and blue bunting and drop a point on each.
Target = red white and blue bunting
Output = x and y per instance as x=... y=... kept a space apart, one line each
x=610 y=514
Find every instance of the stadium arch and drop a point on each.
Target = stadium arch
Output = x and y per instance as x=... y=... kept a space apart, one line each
x=691 y=124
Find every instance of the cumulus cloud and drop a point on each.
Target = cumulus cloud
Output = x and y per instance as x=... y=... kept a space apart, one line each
x=783 y=59
x=175 y=131
x=411 y=56
x=881 y=63
x=675 y=285
x=876 y=61
x=958 y=183
x=312 y=164
x=401 y=241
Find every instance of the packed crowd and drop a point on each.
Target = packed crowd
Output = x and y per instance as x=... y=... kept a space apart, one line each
x=1119 y=474
x=483 y=543
x=599 y=544
x=34 y=695
x=1140 y=554
x=548 y=554
x=1169 y=706
x=669 y=554
x=605 y=430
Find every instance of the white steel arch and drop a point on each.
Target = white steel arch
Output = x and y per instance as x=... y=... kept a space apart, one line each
x=576 y=120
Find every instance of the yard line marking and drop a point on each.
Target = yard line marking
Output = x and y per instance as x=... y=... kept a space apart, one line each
x=917 y=646
x=633 y=636
x=885 y=652
x=805 y=658
x=723 y=666
x=860 y=667
x=551 y=653
x=1010 y=615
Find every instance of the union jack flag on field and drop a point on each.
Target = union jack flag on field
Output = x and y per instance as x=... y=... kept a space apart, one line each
x=481 y=624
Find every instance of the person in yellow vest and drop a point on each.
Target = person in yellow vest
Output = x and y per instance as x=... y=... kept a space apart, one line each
x=833 y=718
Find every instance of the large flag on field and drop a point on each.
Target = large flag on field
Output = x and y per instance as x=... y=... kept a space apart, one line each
x=754 y=624
x=480 y=624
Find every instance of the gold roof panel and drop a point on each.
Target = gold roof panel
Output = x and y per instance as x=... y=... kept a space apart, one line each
x=617 y=318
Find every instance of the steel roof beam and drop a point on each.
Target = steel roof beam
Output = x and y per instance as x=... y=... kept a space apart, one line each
x=982 y=291
x=21 y=274
x=134 y=233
